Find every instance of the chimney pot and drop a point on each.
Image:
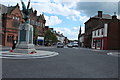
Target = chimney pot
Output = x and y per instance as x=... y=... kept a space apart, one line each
x=100 y=14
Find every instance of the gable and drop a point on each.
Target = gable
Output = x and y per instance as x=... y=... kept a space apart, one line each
x=16 y=11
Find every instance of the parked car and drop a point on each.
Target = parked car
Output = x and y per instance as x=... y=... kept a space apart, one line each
x=70 y=45
x=60 y=45
x=75 y=44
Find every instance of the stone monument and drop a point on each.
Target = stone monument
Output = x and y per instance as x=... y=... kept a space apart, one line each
x=25 y=33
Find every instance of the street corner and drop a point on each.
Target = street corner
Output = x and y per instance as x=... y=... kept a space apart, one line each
x=114 y=54
x=38 y=54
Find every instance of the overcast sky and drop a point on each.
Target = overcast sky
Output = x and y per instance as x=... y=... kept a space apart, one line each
x=66 y=16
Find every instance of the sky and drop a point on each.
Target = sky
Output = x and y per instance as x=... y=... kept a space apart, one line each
x=66 y=16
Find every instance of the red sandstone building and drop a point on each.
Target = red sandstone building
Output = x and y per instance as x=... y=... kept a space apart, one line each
x=11 y=20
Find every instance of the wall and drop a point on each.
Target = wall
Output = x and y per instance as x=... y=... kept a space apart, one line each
x=113 y=35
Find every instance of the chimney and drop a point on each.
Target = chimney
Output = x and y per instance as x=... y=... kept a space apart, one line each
x=35 y=12
x=100 y=14
x=114 y=16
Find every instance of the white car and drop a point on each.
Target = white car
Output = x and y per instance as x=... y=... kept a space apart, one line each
x=70 y=45
x=75 y=44
x=60 y=45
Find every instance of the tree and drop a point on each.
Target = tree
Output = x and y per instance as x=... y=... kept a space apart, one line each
x=50 y=37
x=35 y=35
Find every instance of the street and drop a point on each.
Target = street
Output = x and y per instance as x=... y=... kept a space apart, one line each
x=70 y=63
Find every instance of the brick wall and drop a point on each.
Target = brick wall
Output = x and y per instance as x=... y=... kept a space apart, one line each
x=113 y=39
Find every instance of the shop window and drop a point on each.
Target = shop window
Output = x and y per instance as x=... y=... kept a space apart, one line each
x=99 y=43
x=94 y=42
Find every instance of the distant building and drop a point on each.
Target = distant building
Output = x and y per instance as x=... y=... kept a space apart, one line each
x=106 y=36
x=81 y=40
x=92 y=23
x=38 y=23
x=66 y=40
x=60 y=37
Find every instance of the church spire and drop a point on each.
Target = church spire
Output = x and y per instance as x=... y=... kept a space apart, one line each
x=80 y=30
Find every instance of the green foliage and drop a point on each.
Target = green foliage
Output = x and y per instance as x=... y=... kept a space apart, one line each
x=49 y=36
x=35 y=32
x=35 y=35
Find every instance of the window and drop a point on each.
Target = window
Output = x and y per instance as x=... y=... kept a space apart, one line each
x=99 y=43
x=33 y=22
x=10 y=38
x=94 y=42
x=13 y=17
x=94 y=33
x=102 y=32
x=29 y=21
x=18 y=18
x=41 y=25
x=98 y=32
x=15 y=23
x=36 y=23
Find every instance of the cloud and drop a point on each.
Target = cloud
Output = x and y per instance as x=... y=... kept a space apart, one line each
x=52 y=20
x=71 y=33
x=57 y=9
x=90 y=0
x=37 y=1
x=83 y=19
x=91 y=8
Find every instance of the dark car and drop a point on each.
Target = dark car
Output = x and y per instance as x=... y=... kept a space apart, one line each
x=60 y=45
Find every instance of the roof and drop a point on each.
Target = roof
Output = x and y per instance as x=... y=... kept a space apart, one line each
x=3 y=8
x=104 y=16
x=60 y=35
x=9 y=9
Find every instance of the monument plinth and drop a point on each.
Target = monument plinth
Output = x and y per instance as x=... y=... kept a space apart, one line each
x=25 y=39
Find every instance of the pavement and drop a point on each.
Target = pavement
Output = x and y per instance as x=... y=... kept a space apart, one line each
x=39 y=54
